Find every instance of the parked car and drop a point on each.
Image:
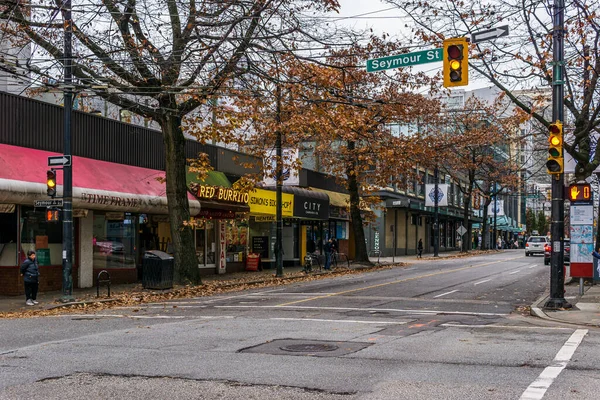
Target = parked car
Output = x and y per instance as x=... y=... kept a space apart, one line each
x=566 y=255
x=109 y=246
x=535 y=245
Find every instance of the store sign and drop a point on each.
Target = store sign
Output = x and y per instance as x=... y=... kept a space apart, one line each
x=221 y=194
x=215 y=214
x=339 y=212
x=267 y=218
x=265 y=202
x=222 y=247
x=110 y=200
x=307 y=207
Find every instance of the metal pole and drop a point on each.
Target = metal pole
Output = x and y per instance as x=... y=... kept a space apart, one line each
x=67 y=247
x=279 y=178
x=436 y=219
x=557 y=277
x=495 y=216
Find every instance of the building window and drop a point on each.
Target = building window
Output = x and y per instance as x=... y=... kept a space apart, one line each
x=114 y=240
x=45 y=238
x=8 y=238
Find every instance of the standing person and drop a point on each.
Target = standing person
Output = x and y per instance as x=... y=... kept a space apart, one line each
x=327 y=249
x=420 y=249
x=30 y=273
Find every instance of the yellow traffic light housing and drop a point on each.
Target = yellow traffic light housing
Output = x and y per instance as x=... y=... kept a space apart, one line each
x=51 y=183
x=456 y=62
x=555 y=163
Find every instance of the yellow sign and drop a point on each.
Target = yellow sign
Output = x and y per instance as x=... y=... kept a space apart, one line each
x=221 y=194
x=264 y=202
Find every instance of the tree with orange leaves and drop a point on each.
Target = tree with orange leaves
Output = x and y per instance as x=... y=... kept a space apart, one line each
x=163 y=60
x=476 y=146
x=341 y=115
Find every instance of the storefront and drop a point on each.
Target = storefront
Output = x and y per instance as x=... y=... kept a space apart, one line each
x=221 y=226
x=338 y=222
x=262 y=225
x=119 y=212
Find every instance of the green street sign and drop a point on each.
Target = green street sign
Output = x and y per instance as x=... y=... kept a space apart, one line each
x=404 y=60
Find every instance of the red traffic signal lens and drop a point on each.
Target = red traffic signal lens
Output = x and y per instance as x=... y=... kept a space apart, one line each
x=554 y=128
x=455 y=52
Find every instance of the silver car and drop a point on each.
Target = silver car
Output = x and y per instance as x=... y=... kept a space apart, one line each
x=535 y=245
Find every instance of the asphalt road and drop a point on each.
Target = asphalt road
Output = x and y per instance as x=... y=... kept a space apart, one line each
x=442 y=329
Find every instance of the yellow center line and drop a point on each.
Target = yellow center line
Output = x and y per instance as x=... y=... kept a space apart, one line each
x=395 y=282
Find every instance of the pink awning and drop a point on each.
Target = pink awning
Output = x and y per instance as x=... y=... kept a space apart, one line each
x=96 y=184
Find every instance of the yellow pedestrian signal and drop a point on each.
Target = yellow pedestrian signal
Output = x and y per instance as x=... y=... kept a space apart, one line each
x=555 y=163
x=456 y=62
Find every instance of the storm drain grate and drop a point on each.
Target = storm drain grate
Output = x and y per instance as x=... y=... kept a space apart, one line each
x=309 y=348
x=306 y=347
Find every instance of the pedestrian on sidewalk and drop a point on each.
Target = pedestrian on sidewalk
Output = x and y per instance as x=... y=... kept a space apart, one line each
x=327 y=248
x=420 y=249
x=30 y=273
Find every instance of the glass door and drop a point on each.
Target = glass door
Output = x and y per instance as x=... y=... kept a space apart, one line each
x=206 y=246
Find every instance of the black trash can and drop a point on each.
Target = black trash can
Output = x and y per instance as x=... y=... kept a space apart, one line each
x=157 y=270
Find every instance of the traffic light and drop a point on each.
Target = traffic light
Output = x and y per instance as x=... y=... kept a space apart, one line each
x=456 y=62
x=555 y=163
x=51 y=182
x=52 y=215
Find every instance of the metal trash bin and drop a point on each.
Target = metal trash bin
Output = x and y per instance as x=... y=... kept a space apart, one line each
x=157 y=270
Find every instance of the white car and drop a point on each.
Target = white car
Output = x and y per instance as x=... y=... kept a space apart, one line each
x=535 y=245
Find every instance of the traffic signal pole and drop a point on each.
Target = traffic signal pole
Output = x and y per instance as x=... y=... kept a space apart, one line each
x=557 y=277
x=67 y=248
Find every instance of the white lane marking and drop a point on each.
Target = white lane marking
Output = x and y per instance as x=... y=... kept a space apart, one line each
x=480 y=282
x=93 y=316
x=425 y=312
x=515 y=272
x=536 y=328
x=443 y=294
x=292 y=294
x=340 y=320
x=538 y=388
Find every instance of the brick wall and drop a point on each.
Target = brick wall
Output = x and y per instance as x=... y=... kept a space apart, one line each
x=11 y=281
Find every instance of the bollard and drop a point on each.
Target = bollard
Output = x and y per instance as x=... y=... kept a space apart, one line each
x=581 y=286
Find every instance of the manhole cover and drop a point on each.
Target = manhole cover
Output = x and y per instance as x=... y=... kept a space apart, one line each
x=309 y=347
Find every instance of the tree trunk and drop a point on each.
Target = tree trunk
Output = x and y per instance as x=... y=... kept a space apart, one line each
x=186 y=263
x=360 y=245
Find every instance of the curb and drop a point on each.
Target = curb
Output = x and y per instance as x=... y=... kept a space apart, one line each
x=536 y=311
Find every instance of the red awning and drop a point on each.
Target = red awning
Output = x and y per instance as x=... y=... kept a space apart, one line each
x=96 y=184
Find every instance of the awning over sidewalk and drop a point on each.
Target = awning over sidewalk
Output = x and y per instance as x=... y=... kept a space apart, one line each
x=96 y=184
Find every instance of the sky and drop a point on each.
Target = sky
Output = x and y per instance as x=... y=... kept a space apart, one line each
x=385 y=18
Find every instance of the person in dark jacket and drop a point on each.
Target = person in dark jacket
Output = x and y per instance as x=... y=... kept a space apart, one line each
x=30 y=273
x=420 y=249
x=327 y=248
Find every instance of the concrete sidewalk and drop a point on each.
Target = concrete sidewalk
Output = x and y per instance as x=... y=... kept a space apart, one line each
x=586 y=307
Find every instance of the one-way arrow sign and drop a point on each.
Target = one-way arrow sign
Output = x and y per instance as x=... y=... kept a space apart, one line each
x=63 y=161
x=495 y=33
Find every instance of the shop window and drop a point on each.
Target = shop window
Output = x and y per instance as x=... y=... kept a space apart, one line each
x=237 y=240
x=114 y=240
x=45 y=238
x=8 y=238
